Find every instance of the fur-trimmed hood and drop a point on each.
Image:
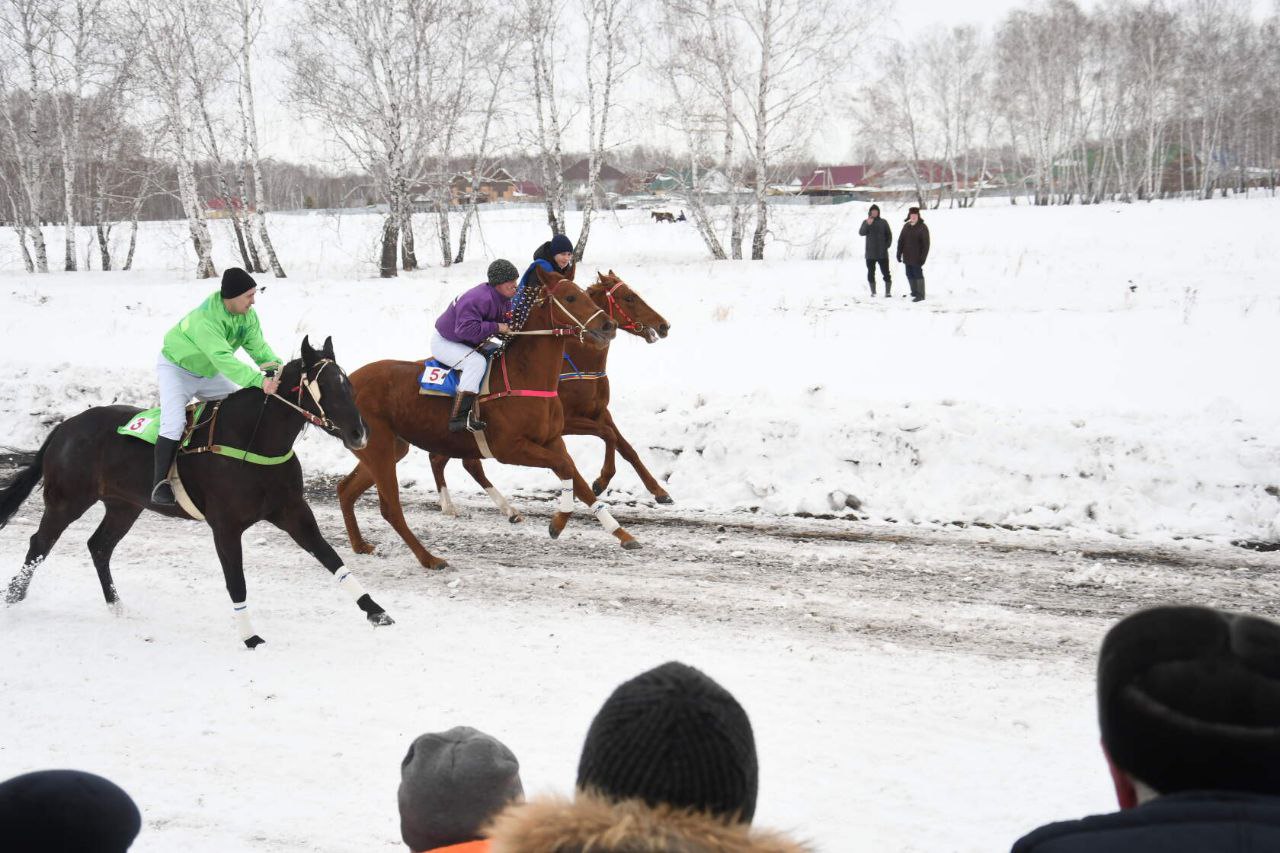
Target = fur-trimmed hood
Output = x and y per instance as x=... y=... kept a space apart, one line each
x=590 y=824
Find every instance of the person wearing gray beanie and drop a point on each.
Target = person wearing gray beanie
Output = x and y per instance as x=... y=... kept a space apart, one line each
x=452 y=784
x=1189 y=709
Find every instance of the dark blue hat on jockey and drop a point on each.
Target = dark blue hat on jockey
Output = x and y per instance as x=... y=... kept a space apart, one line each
x=66 y=811
x=561 y=243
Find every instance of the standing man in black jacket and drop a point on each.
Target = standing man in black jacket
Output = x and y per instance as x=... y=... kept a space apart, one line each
x=1189 y=707
x=913 y=250
x=879 y=239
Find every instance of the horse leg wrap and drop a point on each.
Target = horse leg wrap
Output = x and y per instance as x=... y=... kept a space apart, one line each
x=349 y=584
x=565 y=503
x=242 y=619
x=499 y=500
x=446 y=503
x=606 y=519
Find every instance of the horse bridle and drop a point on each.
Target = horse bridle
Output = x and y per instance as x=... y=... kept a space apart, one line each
x=614 y=305
x=561 y=331
x=312 y=386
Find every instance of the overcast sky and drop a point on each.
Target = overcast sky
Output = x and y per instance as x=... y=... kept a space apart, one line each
x=286 y=137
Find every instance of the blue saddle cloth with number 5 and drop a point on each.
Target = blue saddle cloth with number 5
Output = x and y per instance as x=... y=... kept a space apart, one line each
x=438 y=379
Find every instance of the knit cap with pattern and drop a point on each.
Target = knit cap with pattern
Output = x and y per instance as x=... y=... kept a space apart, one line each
x=673 y=735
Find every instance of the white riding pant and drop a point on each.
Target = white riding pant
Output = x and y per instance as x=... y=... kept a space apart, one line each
x=177 y=387
x=460 y=357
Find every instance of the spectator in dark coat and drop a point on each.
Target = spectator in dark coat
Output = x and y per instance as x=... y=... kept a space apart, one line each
x=913 y=249
x=452 y=784
x=879 y=239
x=669 y=764
x=1189 y=707
x=66 y=811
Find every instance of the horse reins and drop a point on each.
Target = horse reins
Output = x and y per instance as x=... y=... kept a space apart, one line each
x=563 y=331
x=312 y=386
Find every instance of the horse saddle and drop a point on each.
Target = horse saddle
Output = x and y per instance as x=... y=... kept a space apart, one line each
x=441 y=380
x=146 y=425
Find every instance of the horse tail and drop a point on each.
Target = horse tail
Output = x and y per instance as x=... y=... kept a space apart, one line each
x=12 y=495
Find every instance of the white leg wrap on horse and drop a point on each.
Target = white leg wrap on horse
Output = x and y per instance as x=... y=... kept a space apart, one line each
x=242 y=620
x=348 y=582
x=606 y=519
x=446 y=502
x=499 y=500
x=565 y=503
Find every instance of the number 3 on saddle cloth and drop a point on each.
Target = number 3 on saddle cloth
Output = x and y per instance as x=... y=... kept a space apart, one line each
x=440 y=380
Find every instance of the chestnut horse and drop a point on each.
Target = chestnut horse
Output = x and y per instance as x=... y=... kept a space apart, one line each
x=584 y=394
x=524 y=419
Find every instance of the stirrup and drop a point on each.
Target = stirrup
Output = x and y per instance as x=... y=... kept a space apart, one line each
x=162 y=494
x=474 y=424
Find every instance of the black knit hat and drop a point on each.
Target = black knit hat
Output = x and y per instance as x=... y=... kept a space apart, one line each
x=66 y=811
x=452 y=784
x=502 y=271
x=1189 y=698
x=911 y=210
x=236 y=281
x=672 y=735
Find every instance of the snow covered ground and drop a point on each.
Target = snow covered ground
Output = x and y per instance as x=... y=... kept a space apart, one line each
x=1099 y=373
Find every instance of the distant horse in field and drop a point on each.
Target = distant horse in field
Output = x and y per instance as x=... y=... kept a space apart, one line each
x=85 y=460
x=663 y=215
x=524 y=419
x=585 y=394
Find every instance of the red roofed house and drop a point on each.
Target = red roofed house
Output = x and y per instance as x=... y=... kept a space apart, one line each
x=833 y=180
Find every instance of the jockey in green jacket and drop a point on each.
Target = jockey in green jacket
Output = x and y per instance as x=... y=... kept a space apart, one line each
x=199 y=360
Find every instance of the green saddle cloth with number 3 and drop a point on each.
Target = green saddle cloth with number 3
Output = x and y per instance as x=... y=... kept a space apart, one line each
x=146 y=425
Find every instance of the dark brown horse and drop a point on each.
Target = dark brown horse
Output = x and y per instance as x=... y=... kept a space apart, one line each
x=84 y=461
x=584 y=394
x=524 y=418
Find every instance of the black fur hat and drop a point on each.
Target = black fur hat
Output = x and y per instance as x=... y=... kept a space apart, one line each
x=1189 y=699
x=236 y=281
x=673 y=736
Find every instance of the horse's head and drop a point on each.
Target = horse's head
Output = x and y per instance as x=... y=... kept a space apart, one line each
x=324 y=391
x=625 y=307
x=568 y=306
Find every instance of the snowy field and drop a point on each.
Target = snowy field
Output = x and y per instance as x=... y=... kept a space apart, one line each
x=1097 y=379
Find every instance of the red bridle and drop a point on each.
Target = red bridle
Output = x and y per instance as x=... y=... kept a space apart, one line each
x=631 y=325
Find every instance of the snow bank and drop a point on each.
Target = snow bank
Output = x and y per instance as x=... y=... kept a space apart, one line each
x=1090 y=369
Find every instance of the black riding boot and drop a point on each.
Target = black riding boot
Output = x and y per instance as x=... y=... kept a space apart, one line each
x=463 y=417
x=161 y=491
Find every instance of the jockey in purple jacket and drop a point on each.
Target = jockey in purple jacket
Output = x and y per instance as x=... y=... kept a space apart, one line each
x=468 y=322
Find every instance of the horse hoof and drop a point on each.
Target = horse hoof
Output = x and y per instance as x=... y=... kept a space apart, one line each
x=551 y=528
x=516 y=518
x=377 y=620
x=598 y=488
x=364 y=548
x=253 y=642
x=631 y=545
x=664 y=499
x=436 y=563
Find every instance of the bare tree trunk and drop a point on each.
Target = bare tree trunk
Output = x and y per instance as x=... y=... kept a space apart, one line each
x=390 y=237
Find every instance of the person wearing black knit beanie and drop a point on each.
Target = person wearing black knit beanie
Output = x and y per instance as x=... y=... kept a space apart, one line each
x=1189 y=708
x=669 y=763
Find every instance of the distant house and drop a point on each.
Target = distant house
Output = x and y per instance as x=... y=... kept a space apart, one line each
x=496 y=186
x=711 y=181
x=528 y=191
x=577 y=176
x=216 y=208
x=833 y=180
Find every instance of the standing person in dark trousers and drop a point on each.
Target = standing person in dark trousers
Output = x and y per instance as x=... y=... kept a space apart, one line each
x=1189 y=708
x=913 y=249
x=879 y=239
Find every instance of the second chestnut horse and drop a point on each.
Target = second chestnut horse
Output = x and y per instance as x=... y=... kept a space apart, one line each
x=585 y=395
x=524 y=419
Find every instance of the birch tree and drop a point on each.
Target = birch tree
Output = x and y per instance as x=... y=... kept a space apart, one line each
x=366 y=69
x=249 y=17
x=158 y=30
x=542 y=23
x=24 y=30
x=607 y=64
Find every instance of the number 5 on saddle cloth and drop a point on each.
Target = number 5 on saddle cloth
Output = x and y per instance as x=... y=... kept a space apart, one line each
x=441 y=380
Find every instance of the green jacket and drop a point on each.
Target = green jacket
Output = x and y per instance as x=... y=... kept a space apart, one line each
x=205 y=343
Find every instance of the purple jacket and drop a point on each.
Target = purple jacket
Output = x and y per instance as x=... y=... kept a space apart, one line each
x=474 y=316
